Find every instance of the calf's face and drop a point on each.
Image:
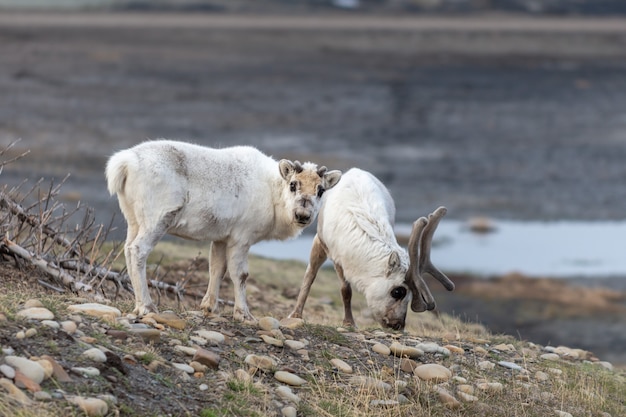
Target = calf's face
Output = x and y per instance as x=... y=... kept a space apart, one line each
x=306 y=185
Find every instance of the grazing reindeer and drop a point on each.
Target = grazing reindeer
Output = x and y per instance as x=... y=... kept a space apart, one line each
x=355 y=230
x=233 y=197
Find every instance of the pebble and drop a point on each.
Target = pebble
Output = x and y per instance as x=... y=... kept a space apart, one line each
x=31 y=369
x=486 y=365
x=550 y=357
x=207 y=358
x=510 y=365
x=432 y=347
x=446 y=398
x=51 y=323
x=268 y=323
x=287 y=394
x=170 y=319
x=560 y=413
x=505 y=347
x=454 y=349
x=289 y=412
x=384 y=403
x=14 y=392
x=365 y=382
x=36 y=313
x=480 y=350
x=381 y=349
x=86 y=371
x=58 y=372
x=93 y=407
x=468 y=398
x=211 y=336
x=465 y=388
x=341 y=366
x=605 y=364
x=407 y=365
x=294 y=344
x=432 y=372
x=187 y=350
x=148 y=335
x=490 y=386
x=272 y=341
x=289 y=378
x=541 y=376
x=95 y=355
x=243 y=376
x=7 y=371
x=183 y=367
x=401 y=351
x=33 y=302
x=22 y=381
x=95 y=309
x=42 y=396
x=262 y=362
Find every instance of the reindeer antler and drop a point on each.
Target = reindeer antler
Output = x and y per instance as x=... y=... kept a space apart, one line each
x=420 y=243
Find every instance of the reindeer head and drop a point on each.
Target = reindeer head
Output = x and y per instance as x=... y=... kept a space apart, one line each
x=389 y=298
x=306 y=183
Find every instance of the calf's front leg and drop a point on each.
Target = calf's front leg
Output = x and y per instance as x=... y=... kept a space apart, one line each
x=217 y=270
x=316 y=259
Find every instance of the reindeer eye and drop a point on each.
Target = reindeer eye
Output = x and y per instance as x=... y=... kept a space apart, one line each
x=320 y=191
x=398 y=293
x=293 y=186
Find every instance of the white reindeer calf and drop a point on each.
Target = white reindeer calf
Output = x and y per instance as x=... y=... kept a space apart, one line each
x=233 y=197
x=355 y=230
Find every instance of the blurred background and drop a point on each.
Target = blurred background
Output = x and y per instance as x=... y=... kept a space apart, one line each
x=512 y=113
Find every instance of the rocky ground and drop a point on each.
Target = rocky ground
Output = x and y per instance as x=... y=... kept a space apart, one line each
x=71 y=355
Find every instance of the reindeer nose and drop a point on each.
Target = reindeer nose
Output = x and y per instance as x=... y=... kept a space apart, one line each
x=303 y=218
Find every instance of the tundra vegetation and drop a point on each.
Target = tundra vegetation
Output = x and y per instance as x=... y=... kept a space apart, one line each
x=52 y=261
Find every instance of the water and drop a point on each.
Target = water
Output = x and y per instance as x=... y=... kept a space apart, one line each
x=540 y=249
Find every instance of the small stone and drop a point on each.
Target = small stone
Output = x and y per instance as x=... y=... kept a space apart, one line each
x=33 y=303
x=560 y=413
x=465 y=388
x=490 y=386
x=289 y=378
x=407 y=365
x=272 y=341
x=36 y=313
x=555 y=371
x=7 y=371
x=291 y=323
x=86 y=371
x=170 y=319
x=381 y=349
x=93 y=407
x=510 y=365
x=541 y=376
x=148 y=335
x=117 y=334
x=294 y=344
x=480 y=350
x=183 y=367
x=447 y=399
x=31 y=369
x=432 y=347
x=69 y=326
x=22 y=381
x=402 y=351
x=368 y=383
x=454 y=349
x=604 y=364
x=268 y=323
x=243 y=376
x=58 y=373
x=486 y=365
x=468 y=398
x=51 y=324
x=207 y=358
x=341 y=366
x=550 y=357
x=262 y=362
x=95 y=309
x=187 y=350
x=289 y=412
x=14 y=392
x=505 y=347
x=211 y=336
x=95 y=355
x=47 y=368
x=286 y=394
x=384 y=403
x=42 y=396
x=433 y=372
x=203 y=387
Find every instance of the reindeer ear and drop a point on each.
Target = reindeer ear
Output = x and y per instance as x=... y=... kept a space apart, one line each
x=286 y=168
x=393 y=264
x=331 y=179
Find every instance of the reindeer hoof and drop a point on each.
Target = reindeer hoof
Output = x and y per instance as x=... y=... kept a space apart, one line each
x=145 y=309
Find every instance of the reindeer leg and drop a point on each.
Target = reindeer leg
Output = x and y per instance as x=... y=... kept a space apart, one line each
x=217 y=270
x=238 y=271
x=346 y=296
x=316 y=259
